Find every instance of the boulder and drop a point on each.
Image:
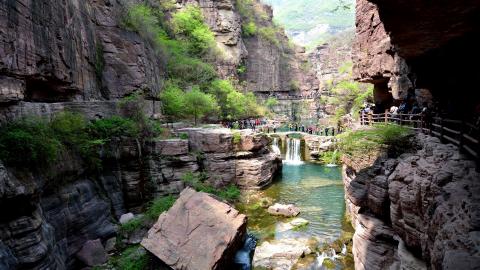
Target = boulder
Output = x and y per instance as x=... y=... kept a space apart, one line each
x=92 y=253
x=287 y=210
x=125 y=218
x=197 y=220
x=282 y=254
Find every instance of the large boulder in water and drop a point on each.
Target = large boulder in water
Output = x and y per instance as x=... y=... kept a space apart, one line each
x=198 y=232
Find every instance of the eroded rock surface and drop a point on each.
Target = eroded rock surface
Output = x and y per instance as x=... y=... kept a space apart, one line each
x=422 y=205
x=198 y=232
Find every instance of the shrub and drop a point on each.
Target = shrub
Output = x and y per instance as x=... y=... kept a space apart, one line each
x=237 y=138
x=132 y=225
x=269 y=34
x=115 y=126
x=29 y=143
x=249 y=29
x=191 y=71
x=330 y=157
x=189 y=24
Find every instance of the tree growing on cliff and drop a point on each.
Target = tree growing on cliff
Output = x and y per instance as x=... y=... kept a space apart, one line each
x=173 y=101
x=199 y=104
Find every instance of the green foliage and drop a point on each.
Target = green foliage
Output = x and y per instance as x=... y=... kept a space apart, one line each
x=330 y=157
x=133 y=258
x=190 y=26
x=383 y=136
x=173 y=100
x=198 y=182
x=198 y=104
x=249 y=29
x=37 y=143
x=184 y=136
x=29 y=143
x=237 y=137
x=154 y=210
x=269 y=34
x=191 y=71
x=242 y=69
x=271 y=102
x=132 y=225
x=158 y=206
x=112 y=127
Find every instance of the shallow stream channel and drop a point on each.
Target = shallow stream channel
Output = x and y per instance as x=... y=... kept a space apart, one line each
x=317 y=191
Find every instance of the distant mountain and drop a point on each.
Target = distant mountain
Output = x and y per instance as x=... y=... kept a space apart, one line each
x=312 y=22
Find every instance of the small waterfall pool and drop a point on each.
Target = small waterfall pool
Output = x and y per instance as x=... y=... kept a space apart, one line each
x=316 y=189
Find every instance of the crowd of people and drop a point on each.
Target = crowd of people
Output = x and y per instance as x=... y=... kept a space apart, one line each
x=245 y=123
x=262 y=125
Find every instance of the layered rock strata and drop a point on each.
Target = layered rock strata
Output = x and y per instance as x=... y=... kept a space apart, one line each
x=418 y=210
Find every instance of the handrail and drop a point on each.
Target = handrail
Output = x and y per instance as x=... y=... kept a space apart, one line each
x=464 y=135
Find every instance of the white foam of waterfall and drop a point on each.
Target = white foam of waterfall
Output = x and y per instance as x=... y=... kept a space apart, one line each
x=331 y=255
x=275 y=147
x=293 y=155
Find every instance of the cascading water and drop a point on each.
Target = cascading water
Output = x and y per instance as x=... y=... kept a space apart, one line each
x=293 y=155
x=275 y=147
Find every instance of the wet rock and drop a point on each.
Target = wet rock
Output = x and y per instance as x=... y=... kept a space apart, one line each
x=110 y=244
x=197 y=220
x=92 y=253
x=286 y=210
x=280 y=255
x=292 y=225
x=125 y=218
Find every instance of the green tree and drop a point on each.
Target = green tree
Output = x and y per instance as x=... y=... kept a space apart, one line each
x=199 y=104
x=173 y=101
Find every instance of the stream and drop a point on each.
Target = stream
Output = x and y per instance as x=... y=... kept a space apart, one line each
x=316 y=189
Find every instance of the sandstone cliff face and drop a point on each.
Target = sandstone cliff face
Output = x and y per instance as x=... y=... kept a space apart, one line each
x=225 y=22
x=424 y=52
x=417 y=211
x=72 y=51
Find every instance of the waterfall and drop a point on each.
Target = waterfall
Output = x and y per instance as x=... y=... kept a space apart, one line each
x=293 y=155
x=275 y=147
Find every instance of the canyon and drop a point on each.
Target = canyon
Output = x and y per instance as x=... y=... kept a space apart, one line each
x=413 y=209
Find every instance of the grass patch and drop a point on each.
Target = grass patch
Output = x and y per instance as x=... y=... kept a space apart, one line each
x=132 y=258
x=390 y=137
x=198 y=182
x=154 y=210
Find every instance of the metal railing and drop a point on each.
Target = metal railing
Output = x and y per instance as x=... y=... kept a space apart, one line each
x=463 y=134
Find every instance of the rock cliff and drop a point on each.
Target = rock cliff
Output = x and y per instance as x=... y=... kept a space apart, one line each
x=415 y=211
x=424 y=53
x=55 y=216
